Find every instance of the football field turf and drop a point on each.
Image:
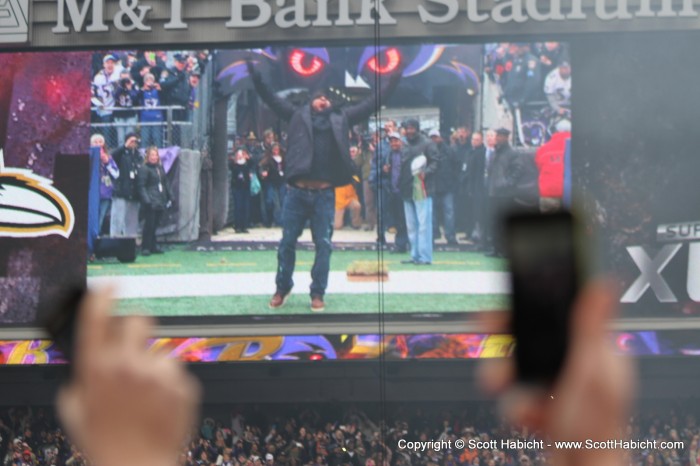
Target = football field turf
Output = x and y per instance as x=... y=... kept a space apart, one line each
x=298 y=304
x=180 y=263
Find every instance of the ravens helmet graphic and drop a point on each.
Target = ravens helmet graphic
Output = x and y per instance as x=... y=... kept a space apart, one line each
x=30 y=206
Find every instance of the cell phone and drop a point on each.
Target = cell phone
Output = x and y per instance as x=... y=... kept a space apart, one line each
x=546 y=255
x=59 y=319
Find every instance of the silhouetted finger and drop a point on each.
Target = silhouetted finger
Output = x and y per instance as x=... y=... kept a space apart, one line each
x=92 y=327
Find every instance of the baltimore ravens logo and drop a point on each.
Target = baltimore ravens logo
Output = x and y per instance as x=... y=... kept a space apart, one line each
x=30 y=206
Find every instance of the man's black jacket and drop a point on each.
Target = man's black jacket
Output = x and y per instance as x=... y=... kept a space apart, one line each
x=447 y=167
x=176 y=88
x=299 y=155
x=129 y=162
x=513 y=175
x=476 y=167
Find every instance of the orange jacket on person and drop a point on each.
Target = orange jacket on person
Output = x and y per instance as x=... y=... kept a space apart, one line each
x=550 y=163
x=468 y=456
x=344 y=195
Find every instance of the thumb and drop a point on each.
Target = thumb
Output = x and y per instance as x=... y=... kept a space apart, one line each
x=594 y=308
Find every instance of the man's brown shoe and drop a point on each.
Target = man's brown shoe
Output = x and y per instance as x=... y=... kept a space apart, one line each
x=278 y=299
x=317 y=304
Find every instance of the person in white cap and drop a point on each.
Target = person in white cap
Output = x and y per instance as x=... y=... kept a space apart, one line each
x=103 y=86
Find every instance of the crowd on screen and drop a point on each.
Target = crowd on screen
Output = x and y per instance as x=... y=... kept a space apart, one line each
x=530 y=73
x=428 y=181
x=135 y=94
x=433 y=182
x=131 y=88
x=469 y=176
x=344 y=436
x=133 y=186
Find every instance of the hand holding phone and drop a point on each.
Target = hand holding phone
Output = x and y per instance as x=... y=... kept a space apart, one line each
x=583 y=392
x=546 y=265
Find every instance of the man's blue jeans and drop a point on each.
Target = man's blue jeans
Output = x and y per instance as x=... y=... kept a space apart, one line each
x=419 y=222
x=382 y=203
x=318 y=207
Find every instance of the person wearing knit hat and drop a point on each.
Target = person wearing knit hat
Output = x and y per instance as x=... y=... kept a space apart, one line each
x=175 y=87
x=511 y=184
x=412 y=122
x=417 y=186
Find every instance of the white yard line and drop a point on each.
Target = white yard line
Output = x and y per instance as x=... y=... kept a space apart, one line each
x=263 y=283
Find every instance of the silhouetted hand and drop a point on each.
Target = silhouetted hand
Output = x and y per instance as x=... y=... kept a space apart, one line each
x=125 y=404
x=592 y=395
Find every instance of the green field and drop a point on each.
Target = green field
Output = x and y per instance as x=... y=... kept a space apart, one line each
x=180 y=261
x=298 y=304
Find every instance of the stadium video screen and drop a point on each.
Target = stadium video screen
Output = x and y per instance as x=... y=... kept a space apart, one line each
x=185 y=176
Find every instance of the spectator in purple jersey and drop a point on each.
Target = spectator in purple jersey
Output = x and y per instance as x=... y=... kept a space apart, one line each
x=151 y=118
x=125 y=97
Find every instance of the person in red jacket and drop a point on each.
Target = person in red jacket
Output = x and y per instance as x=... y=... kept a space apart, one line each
x=550 y=163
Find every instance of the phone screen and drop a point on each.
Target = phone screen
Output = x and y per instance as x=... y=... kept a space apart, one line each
x=545 y=281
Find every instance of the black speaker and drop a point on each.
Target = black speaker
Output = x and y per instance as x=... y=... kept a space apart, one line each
x=124 y=249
